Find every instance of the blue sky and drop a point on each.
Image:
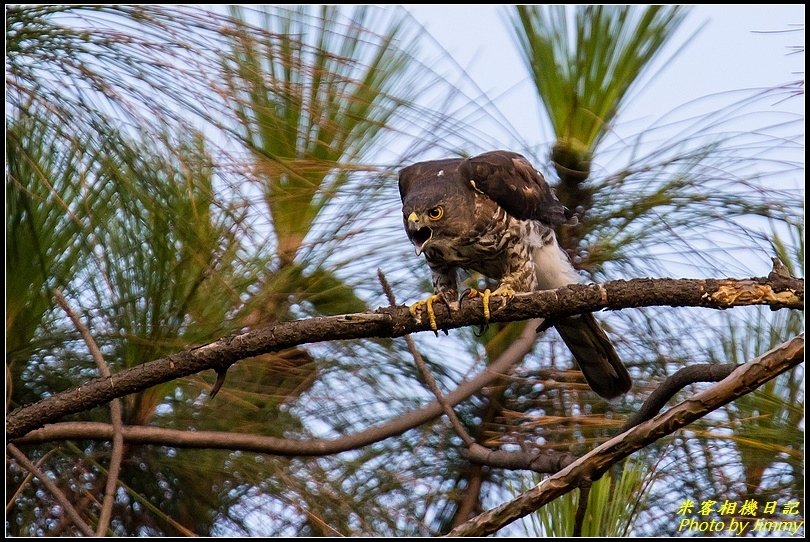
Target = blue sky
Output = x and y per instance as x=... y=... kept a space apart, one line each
x=727 y=54
x=737 y=48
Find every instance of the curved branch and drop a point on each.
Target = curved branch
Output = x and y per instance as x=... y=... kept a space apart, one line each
x=289 y=447
x=397 y=321
x=704 y=372
x=743 y=380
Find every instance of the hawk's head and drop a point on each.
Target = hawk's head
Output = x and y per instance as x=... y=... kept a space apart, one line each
x=438 y=205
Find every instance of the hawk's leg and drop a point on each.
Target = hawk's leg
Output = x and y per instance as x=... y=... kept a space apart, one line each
x=416 y=310
x=504 y=291
x=445 y=281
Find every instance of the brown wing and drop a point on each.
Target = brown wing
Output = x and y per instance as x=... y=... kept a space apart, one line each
x=511 y=181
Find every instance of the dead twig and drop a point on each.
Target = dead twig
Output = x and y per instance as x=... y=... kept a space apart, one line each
x=60 y=497
x=117 y=453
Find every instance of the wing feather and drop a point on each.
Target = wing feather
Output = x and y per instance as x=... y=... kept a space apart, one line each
x=511 y=181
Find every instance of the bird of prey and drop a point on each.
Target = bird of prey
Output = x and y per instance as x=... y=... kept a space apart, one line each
x=495 y=214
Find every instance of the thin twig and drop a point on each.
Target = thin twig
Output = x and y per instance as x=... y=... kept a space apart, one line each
x=117 y=453
x=26 y=481
x=51 y=487
x=425 y=372
x=466 y=507
x=704 y=372
x=582 y=507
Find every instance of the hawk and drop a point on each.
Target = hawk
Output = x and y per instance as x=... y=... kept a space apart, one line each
x=495 y=214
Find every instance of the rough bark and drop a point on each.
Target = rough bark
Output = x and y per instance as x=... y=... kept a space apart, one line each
x=777 y=292
x=288 y=447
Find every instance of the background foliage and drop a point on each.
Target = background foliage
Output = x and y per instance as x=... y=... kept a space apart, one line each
x=182 y=174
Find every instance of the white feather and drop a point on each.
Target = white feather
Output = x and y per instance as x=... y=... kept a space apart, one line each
x=554 y=270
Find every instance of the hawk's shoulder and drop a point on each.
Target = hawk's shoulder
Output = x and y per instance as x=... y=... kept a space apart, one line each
x=511 y=181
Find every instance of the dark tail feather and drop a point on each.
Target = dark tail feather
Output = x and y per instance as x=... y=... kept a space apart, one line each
x=595 y=355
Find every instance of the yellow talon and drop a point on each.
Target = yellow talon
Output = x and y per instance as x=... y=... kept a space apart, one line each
x=416 y=308
x=485 y=298
x=503 y=291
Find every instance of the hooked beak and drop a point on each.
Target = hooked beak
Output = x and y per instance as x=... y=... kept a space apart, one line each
x=418 y=234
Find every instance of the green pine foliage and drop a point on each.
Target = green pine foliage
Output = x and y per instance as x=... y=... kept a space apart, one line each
x=183 y=174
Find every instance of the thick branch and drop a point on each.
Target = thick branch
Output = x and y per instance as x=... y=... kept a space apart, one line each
x=743 y=380
x=397 y=321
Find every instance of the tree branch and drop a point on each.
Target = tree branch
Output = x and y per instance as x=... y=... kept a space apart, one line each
x=743 y=380
x=51 y=487
x=288 y=447
x=582 y=507
x=544 y=462
x=13 y=499
x=397 y=321
x=425 y=372
x=117 y=454
x=704 y=372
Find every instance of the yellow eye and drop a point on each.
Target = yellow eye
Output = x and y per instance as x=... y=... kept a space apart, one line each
x=436 y=213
